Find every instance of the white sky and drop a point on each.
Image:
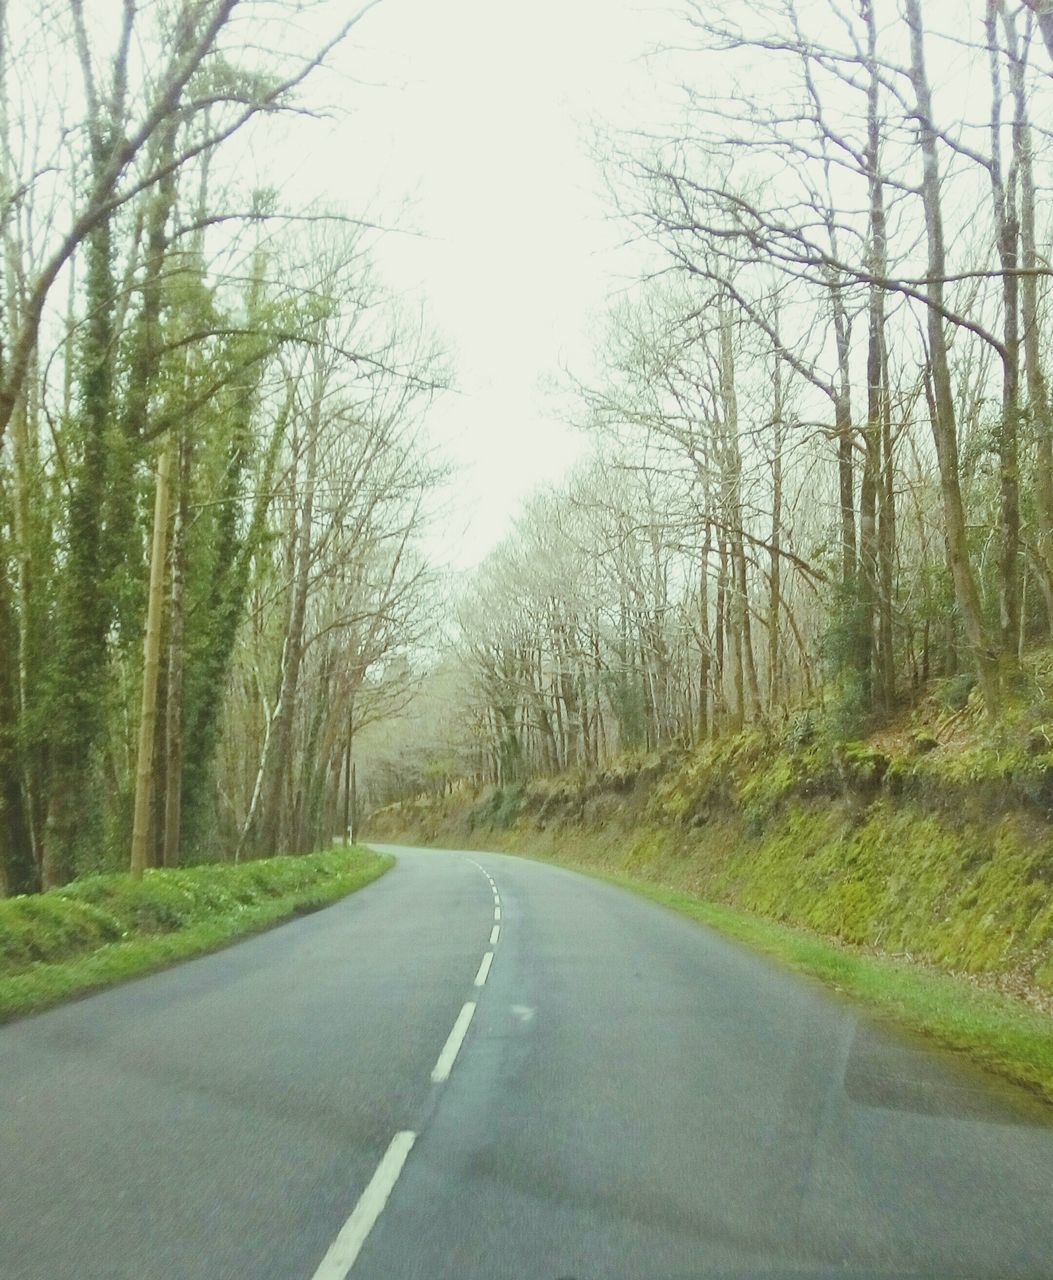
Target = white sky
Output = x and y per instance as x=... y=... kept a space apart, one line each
x=471 y=122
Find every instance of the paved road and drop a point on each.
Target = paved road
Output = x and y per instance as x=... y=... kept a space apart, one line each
x=634 y=1098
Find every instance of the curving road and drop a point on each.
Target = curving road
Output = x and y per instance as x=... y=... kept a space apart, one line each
x=618 y=1094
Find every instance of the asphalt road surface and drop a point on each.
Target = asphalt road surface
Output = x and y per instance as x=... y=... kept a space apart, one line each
x=618 y=1094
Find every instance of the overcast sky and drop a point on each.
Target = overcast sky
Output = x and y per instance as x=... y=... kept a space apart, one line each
x=471 y=122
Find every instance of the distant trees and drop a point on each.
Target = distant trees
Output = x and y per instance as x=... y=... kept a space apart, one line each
x=208 y=420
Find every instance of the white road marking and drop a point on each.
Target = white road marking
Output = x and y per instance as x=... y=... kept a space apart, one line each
x=497 y=913
x=523 y=1012
x=484 y=968
x=490 y=880
x=348 y=1244
x=495 y=933
x=450 y=1049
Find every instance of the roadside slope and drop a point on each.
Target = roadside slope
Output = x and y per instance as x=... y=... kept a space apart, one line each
x=923 y=884
x=104 y=929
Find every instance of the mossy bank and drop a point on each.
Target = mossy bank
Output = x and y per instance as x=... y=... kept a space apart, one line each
x=104 y=929
x=953 y=866
x=935 y=861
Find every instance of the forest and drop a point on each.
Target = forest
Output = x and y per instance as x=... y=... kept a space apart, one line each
x=819 y=471
x=821 y=465
x=212 y=478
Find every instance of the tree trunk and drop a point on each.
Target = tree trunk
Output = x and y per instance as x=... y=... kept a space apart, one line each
x=775 y=554
x=19 y=870
x=176 y=663
x=843 y=432
x=945 y=433
x=886 y=557
x=1041 y=418
x=263 y=825
x=719 y=630
x=1007 y=237
x=349 y=775
x=870 y=484
x=144 y=774
x=705 y=661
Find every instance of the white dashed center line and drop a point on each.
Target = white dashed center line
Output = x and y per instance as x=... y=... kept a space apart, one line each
x=452 y=1046
x=344 y=1251
x=348 y=1244
x=484 y=968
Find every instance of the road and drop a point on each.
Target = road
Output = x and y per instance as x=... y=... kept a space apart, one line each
x=632 y=1098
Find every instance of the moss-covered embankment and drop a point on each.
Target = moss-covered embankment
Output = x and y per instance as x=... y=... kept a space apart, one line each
x=944 y=855
x=107 y=928
x=918 y=878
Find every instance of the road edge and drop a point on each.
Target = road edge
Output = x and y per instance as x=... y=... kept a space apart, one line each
x=47 y=985
x=1002 y=1034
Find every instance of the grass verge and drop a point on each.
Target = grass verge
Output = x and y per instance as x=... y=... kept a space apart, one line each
x=997 y=1031
x=1002 y=1034
x=105 y=929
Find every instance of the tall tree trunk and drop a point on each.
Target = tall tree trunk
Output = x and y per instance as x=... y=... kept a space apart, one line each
x=30 y=615
x=870 y=486
x=1007 y=237
x=706 y=646
x=1039 y=412
x=19 y=870
x=945 y=432
x=747 y=690
x=775 y=554
x=349 y=774
x=844 y=433
x=263 y=824
x=176 y=662
x=887 y=555
x=144 y=773
x=84 y=605
x=720 y=630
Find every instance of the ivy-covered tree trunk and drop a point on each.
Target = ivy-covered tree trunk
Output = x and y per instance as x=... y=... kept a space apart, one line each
x=19 y=872
x=145 y=773
x=221 y=559
x=173 y=782
x=79 y=668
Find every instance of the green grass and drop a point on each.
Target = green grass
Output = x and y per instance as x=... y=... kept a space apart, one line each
x=106 y=929
x=997 y=1031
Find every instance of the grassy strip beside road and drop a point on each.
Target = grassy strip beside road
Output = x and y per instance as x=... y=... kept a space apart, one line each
x=1001 y=1033
x=104 y=929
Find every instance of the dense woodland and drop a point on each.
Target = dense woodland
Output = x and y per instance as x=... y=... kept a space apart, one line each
x=212 y=485
x=823 y=462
